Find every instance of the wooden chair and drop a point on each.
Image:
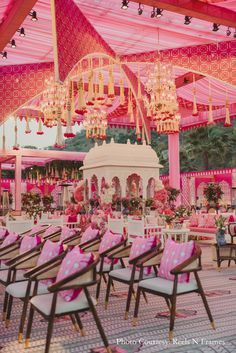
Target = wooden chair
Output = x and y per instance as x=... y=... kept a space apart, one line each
x=169 y=290
x=50 y=306
x=24 y=290
x=21 y=290
x=227 y=252
x=129 y=275
x=104 y=268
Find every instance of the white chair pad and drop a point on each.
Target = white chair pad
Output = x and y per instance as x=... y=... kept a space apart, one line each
x=125 y=274
x=4 y=274
x=18 y=289
x=166 y=286
x=106 y=267
x=44 y=302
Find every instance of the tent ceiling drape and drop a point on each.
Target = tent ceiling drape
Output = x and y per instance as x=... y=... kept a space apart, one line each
x=126 y=33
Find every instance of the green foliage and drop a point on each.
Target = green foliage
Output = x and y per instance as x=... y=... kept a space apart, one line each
x=213 y=192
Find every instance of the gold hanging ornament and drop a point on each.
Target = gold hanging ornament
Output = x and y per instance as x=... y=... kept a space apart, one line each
x=69 y=132
x=59 y=143
x=111 y=89
x=137 y=132
x=227 y=114
x=27 y=127
x=40 y=127
x=90 y=96
x=210 y=113
x=16 y=146
x=195 y=111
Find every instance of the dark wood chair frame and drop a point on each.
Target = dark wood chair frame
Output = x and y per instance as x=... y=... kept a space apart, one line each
x=136 y=262
x=65 y=284
x=229 y=247
x=101 y=272
x=27 y=261
x=191 y=265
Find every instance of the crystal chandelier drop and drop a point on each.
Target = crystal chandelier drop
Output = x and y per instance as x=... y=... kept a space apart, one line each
x=161 y=102
x=95 y=123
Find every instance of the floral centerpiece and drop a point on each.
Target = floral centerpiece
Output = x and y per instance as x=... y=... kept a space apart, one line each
x=181 y=213
x=220 y=223
x=134 y=205
x=213 y=193
x=31 y=202
x=168 y=216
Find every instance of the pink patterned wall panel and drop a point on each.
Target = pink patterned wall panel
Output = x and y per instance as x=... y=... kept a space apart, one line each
x=20 y=83
x=218 y=61
x=76 y=37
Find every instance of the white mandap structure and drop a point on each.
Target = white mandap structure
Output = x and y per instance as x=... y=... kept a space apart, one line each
x=132 y=170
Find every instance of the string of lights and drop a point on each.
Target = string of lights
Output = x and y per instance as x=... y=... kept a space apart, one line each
x=158 y=13
x=21 y=31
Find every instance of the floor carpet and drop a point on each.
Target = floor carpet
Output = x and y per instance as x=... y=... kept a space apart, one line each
x=193 y=332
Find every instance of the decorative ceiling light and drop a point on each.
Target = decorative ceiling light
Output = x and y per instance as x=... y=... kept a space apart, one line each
x=4 y=55
x=13 y=43
x=215 y=27
x=159 y=13
x=228 y=32
x=21 y=31
x=54 y=97
x=33 y=15
x=125 y=4
x=161 y=101
x=140 y=9
x=153 y=13
x=187 y=20
x=95 y=123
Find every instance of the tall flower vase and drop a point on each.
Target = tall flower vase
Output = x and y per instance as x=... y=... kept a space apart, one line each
x=220 y=237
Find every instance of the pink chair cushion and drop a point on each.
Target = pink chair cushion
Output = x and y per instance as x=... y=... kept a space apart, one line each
x=3 y=233
x=139 y=247
x=10 y=239
x=49 y=251
x=66 y=233
x=173 y=255
x=74 y=262
x=210 y=222
x=109 y=240
x=202 y=221
x=36 y=229
x=193 y=221
x=89 y=234
x=29 y=242
x=52 y=229
x=203 y=230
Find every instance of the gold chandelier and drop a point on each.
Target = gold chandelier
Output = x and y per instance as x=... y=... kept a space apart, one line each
x=54 y=97
x=95 y=123
x=161 y=102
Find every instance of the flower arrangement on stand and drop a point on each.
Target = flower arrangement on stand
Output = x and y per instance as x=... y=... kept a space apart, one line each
x=168 y=216
x=32 y=205
x=213 y=194
x=220 y=223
